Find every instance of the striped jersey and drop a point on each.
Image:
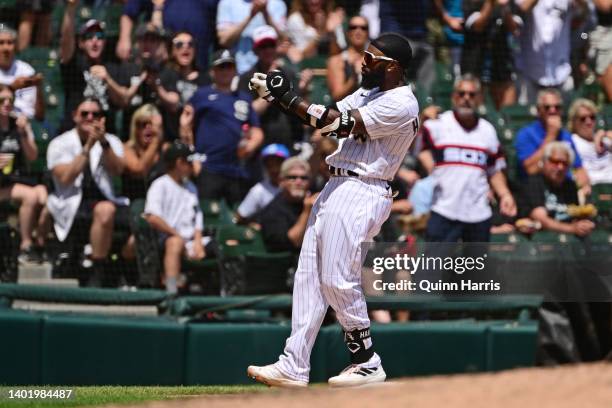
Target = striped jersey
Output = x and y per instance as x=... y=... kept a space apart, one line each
x=464 y=160
x=391 y=121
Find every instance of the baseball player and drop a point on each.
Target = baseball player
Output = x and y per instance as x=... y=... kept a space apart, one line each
x=375 y=126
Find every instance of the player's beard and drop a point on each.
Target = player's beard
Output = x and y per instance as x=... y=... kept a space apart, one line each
x=372 y=79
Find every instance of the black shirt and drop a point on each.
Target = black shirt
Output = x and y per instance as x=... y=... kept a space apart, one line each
x=172 y=81
x=79 y=83
x=537 y=192
x=277 y=126
x=10 y=142
x=276 y=219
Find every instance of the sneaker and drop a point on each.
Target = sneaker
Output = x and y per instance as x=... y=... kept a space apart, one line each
x=356 y=375
x=28 y=256
x=272 y=377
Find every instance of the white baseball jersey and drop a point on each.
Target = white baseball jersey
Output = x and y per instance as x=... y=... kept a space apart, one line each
x=25 y=99
x=464 y=160
x=391 y=120
x=176 y=204
x=348 y=212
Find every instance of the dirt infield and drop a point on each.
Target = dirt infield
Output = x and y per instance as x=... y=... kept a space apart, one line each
x=581 y=386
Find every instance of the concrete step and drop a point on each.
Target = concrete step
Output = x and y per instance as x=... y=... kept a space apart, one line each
x=64 y=283
x=35 y=271
x=117 y=310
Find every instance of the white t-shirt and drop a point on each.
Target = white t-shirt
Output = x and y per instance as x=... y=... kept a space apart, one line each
x=64 y=201
x=25 y=99
x=464 y=159
x=299 y=32
x=176 y=204
x=257 y=198
x=544 y=55
x=391 y=120
x=598 y=166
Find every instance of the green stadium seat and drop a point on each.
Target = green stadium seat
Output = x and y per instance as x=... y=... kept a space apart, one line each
x=517 y=116
x=246 y=266
x=601 y=196
x=7 y=3
x=216 y=213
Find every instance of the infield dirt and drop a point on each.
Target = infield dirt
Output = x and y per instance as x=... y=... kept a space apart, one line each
x=578 y=386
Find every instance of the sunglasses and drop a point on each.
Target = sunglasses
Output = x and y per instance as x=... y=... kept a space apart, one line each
x=94 y=114
x=180 y=44
x=552 y=107
x=471 y=94
x=358 y=27
x=8 y=99
x=97 y=34
x=368 y=57
x=583 y=119
x=303 y=178
x=563 y=163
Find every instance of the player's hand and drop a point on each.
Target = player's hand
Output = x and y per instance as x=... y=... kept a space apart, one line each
x=258 y=84
x=277 y=83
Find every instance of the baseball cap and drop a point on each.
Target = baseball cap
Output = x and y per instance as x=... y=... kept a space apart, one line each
x=150 y=29
x=91 y=25
x=177 y=150
x=264 y=34
x=275 y=149
x=395 y=46
x=223 y=57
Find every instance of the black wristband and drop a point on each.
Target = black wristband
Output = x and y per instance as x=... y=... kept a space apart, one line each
x=289 y=99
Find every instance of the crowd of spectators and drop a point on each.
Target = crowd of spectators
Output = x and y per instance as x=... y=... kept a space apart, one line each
x=164 y=108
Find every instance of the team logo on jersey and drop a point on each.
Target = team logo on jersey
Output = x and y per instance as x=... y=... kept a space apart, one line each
x=241 y=110
x=465 y=155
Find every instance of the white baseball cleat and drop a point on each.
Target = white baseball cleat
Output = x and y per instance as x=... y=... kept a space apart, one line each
x=272 y=377
x=355 y=375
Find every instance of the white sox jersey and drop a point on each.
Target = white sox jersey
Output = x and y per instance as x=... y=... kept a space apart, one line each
x=464 y=160
x=391 y=120
x=348 y=212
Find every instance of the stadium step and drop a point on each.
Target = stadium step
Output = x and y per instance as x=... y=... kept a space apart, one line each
x=115 y=310
x=33 y=272
x=64 y=283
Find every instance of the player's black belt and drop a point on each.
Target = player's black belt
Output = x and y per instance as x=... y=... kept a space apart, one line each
x=335 y=171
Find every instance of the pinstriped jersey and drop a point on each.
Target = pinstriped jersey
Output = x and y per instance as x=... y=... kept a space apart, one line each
x=464 y=159
x=391 y=121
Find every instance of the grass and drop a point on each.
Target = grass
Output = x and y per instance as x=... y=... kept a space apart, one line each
x=100 y=395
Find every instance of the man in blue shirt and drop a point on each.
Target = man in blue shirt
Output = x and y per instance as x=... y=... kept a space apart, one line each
x=194 y=16
x=225 y=130
x=531 y=139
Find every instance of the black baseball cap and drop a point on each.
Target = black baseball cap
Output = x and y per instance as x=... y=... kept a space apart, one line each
x=395 y=46
x=150 y=29
x=179 y=150
x=91 y=25
x=223 y=57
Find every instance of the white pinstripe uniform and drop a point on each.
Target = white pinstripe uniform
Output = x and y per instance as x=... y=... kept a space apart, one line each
x=349 y=211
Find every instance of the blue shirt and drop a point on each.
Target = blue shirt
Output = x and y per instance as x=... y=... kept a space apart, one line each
x=194 y=16
x=530 y=138
x=454 y=9
x=406 y=17
x=219 y=117
x=233 y=12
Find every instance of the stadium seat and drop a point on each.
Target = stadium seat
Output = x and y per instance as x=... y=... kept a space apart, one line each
x=516 y=116
x=216 y=213
x=246 y=266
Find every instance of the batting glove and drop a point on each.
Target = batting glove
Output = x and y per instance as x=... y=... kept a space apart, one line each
x=258 y=84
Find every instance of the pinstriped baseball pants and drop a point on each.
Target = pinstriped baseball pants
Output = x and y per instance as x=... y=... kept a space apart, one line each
x=348 y=212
